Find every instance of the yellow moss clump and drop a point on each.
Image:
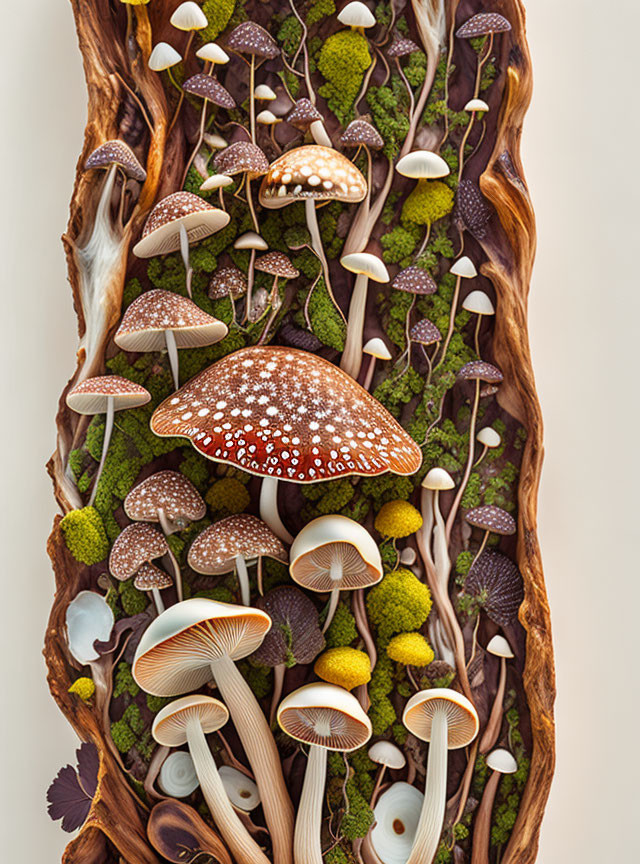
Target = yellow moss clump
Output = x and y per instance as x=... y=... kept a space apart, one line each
x=84 y=688
x=346 y=667
x=398 y=519
x=410 y=649
x=429 y=201
x=228 y=496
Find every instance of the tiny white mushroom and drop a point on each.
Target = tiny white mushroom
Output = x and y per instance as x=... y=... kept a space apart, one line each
x=254 y=243
x=356 y=15
x=366 y=266
x=479 y=304
x=188 y=16
x=386 y=755
x=212 y=53
x=476 y=105
x=499 y=762
x=499 y=647
x=163 y=57
x=264 y=93
x=463 y=268
x=490 y=439
x=377 y=350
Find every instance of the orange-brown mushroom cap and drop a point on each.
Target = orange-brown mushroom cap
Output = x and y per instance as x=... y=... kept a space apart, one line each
x=312 y=171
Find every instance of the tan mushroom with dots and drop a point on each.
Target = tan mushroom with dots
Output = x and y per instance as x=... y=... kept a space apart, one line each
x=305 y=116
x=152 y=579
x=243 y=157
x=228 y=282
x=116 y=153
x=492 y=520
x=167 y=497
x=134 y=546
x=276 y=264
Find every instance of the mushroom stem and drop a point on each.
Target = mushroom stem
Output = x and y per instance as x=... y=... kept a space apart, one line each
x=262 y=753
x=172 y=351
x=318 y=248
x=362 y=623
x=492 y=730
x=480 y=548
x=243 y=580
x=252 y=97
x=427 y=837
x=425 y=240
x=481 y=63
x=432 y=64
x=412 y=101
x=199 y=140
x=242 y=846
x=377 y=785
x=451 y=518
x=452 y=321
x=463 y=790
x=351 y=359
x=108 y=429
x=320 y=134
x=250 y=203
x=307 y=848
x=371 y=368
x=279 y=672
x=485 y=450
x=331 y=610
x=184 y=251
x=476 y=336
x=157 y=599
x=482 y=821
x=463 y=144
x=269 y=508
x=250 y=277
x=167 y=530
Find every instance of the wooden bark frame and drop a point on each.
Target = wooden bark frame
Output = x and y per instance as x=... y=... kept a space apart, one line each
x=117 y=813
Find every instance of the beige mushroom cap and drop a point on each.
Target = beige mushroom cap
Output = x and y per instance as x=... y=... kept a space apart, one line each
x=438 y=479
x=250 y=240
x=422 y=165
x=462 y=718
x=161 y=233
x=387 y=754
x=502 y=761
x=489 y=437
x=169 y=491
x=476 y=105
x=216 y=181
x=170 y=724
x=267 y=118
x=215 y=550
x=356 y=14
x=264 y=93
x=312 y=171
x=376 y=348
x=133 y=547
x=479 y=303
x=499 y=646
x=149 y=577
x=366 y=264
x=92 y=395
x=211 y=52
x=163 y=56
x=241 y=790
x=464 y=267
x=189 y=16
x=326 y=716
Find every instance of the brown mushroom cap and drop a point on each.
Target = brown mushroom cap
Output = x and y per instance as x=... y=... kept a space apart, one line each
x=251 y=38
x=149 y=577
x=208 y=87
x=483 y=24
x=425 y=332
x=92 y=395
x=495 y=581
x=276 y=264
x=402 y=47
x=242 y=156
x=227 y=281
x=479 y=370
x=133 y=547
x=472 y=211
x=116 y=153
x=492 y=518
x=214 y=551
x=280 y=412
x=303 y=114
x=414 y=280
x=161 y=233
x=169 y=491
x=295 y=635
x=314 y=172
x=360 y=132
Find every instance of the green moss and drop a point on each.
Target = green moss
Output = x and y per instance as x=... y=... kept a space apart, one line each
x=463 y=564
x=318 y=10
x=84 y=535
x=358 y=817
x=398 y=245
x=124 y=682
x=381 y=712
x=219 y=13
x=344 y=58
x=132 y=601
x=326 y=322
x=342 y=630
x=290 y=34
x=415 y=69
x=386 y=105
x=258 y=677
x=156 y=703
x=195 y=467
x=123 y=736
x=399 y=604
x=132 y=290
x=428 y=202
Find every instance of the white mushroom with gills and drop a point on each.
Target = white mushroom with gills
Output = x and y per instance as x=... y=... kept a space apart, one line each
x=326 y=718
x=246 y=158
x=167 y=497
x=386 y=755
x=499 y=647
x=463 y=268
x=105 y=394
x=252 y=243
x=448 y=721
x=365 y=266
x=375 y=349
x=196 y=641
x=176 y=222
x=188 y=721
x=490 y=440
x=159 y=320
x=136 y=545
x=232 y=544
x=150 y=578
x=286 y=414
x=252 y=39
x=397 y=814
x=479 y=303
x=476 y=107
x=499 y=762
x=305 y=116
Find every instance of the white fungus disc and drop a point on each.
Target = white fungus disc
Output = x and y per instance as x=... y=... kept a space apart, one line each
x=397 y=813
x=178 y=776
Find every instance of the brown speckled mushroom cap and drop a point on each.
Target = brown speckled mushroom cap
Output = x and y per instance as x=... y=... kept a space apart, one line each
x=116 y=153
x=208 y=87
x=492 y=518
x=92 y=395
x=161 y=233
x=495 y=581
x=361 y=133
x=227 y=281
x=483 y=24
x=414 y=280
x=295 y=635
x=151 y=314
x=242 y=156
x=276 y=264
x=480 y=370
x=214 y=550
x=425 y=332
x=169 y=491
x=134 y=546
x=314 y=172
x=251 y=38
x=283 y=413
x=402 y=47
x=149 y=577
x=303 y=114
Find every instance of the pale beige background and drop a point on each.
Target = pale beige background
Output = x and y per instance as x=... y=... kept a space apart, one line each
x=580 y=149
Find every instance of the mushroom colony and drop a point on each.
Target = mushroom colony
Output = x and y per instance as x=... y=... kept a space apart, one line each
x=290 y=465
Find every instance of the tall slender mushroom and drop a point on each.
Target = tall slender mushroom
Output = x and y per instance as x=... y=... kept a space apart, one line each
x=399 y=48
x=375 y=349
x=499 y=647
x=360 y=133
x=474 y=107
x=490 y=439
x=305 y=116
x=417 y=282
x=424 y=333
x=463 y=268
x=252 y=243
x=479 y=304
x=167 y=497
x=483 y=24
x=209 y=89
x=195 y=641
x=448 y=721
x=499 y=762
x=150 y=578
x=366 y=266
x=386 y=755
x=492 y=520
x=114 y=156
x=327 y=718
x=252 y=39
x=136 y=545
x=188 y=721
x=275 y=264
x=423 y=166
x=245 y=158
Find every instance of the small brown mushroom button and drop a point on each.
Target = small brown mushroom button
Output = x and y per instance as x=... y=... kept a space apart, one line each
x=305 y=116
x=275 y=264
x=134 y=546
x=117 y=153
x=227 y=282
x=167 y=497
x=402 y=47
x=425 y=332
x=480 y=370
x=150 y=578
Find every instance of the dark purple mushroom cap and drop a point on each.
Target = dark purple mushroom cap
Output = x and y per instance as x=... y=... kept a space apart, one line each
x=295 y=635
x=480 y=370
x=276 y=264
x=483 y=24
x=116 y=153
x=472 y=211
x=303 y=114
x=492 y=518
x=134 y=546
x=208 y=87
x=227 y=281
x=402 y=47
x=425 y=332
x=495 y=581
x=414 y=280
x=240 y=157
x=362 y=133
x=298 y=338
x=251 y=38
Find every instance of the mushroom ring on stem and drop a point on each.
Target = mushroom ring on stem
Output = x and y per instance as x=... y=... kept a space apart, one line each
x=167 y=497
x=196 y=641
x=448 y=721
x=327 y=718
x=366 y=266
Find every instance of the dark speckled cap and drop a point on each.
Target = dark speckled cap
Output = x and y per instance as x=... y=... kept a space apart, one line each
x=208 y=87
x=295 y=636
x=251 y=38
x=360 y=132
x=402 y=47
x=495 y=581
x=116 y=153
x=479 y=370
x=414 y=280
x=425 y=332
x=492 y=518
x=482 y=25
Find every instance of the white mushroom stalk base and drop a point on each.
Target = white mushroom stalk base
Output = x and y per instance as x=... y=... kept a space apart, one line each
x=307 y=848
x=172 y=352
x=157 y=599
x=184 y=251
x=243 y=580
x=351 y=359
x=108 y=429
x=269 y=509
x=427 y=838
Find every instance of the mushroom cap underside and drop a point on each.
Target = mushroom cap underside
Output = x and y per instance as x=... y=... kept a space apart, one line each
x=325 y=715
x=462 y=718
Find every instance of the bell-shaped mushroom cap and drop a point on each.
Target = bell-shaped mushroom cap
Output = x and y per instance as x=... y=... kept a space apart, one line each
x=366 y=264
x=250 y=240
x=502 y=761
x=251 y=38
x=326 y=716
x=280 y=412
x=215 y=141
x=414 y=280
x=483 y=24
x=422 y=165
x=227 y=281
x=88 y=619
x=242 y=156
x=480 y=370
x=303 y=114
x=438 y=479
x=312 y=171
x=476 y=105
x=208 y=87
x=178 y=777
x=397 y=813
x=176 y=650
x=267 y=118
x=330 y=539
x=215 y=550
x=117 y=153
x=489 y=437
x=216 y=181
x=464 y=267
x=149 y=577
x=276 y=264
x=148 y=318
x=425 y=332
x=362 y=133
x=135 y=545
x=92 y=395
x=264 y=93
x=295 y=635
x=241 y=790
x=211 y=52
x=387 y=754
x=189 y=16
x=169 y=491
x=462 y=718
x=163 y=56
x=401 y=47
x=356 y=14
x=495 y=581
x=161 y=233
x=376 y=348
x=170 y=725
x=479 y=303
x=499 y=646
x=492 y=518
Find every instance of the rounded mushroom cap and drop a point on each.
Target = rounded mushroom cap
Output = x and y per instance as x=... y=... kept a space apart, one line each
x=240 y=157
x=147 y=319
x=88 y=619
x=356 y=14
x=483 y=24
x=303 y=114
x=161 y=233
x=326 y=716
x=215 y=550
x=189 y=16
x=462 y=718
x=251 y=38
x=492 y=518
x=335 y=539
x=464 y=267
x=376 y=348
x=178 y=777
x=268 y=118
x=425 y=332
x=422 y=165
x=169 y=491
x=397 y=813
x=502 y=761
x=489 y=437
x=227 y=281
x=476 y=105
x=216 y=181
x=149 y=577
x=264 y=93
x=362 y=133
x=116 y=153
x=438 y=479
x=479 y=303
x=135 y=545
x=178 y=647
x=208 y=87
x=401 y=47
x=495 y=581
x=215 y=141
x=171 y=722
x=163 y=56
x=295 y=635
x=312 y=171
x=281 y=412
x=241 y=790
x=211 y=52
x=366 y=264
x=276 y=264
x=480 y=370
x=387 y=754
x=414 y=280
x=92 y=395
x=499 y=646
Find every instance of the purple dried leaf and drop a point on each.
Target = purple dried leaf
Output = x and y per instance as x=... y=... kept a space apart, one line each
x=68 y=800
x=88 y=765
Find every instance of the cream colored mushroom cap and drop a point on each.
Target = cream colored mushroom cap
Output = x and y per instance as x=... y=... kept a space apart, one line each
x=502 y=761
x=376 y=348
x=462 y=718
x=464 y=267
x=216 y=181
x=438 y=479
x=189 y=16
x=264 y=93
x=92 y=395
x=476 y=105
x=170 y=725
x=326 y=716
x=386 y=753
x=366 y=264
x=489 y=437
x=215 y=142
x=163 y=56
x=314 y=172
x=212 y=53
x=250 y=240
x=422 y=165
x=356 y=14
x=241 y=790
x=499 y=646
x=267 y=118
x=479 y=303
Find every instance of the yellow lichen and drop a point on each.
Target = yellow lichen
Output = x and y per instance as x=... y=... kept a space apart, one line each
x=429 y=201
x=84 y=688
x=398 y=519
x=346 y=667
x=411 y=649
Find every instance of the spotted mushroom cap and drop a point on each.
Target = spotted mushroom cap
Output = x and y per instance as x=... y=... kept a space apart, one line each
x=169 y=491
x=135 y=545
x=472 y=211
x=495 y=581
x=315 y=172
x=303 y=114
x=297 y=338
x=227 y=281
x=295 y=635
x=147 y=319
x=276 y=264
x=284 y=413
x=209 y=88
x=492 y=518
x=214 y=550
x=92 y=395
x=242 y=156
x=414 y=280
x=325 y=715
x=251 y=38
x=360 y=132
x=149 y=577
x=425 y=332
x=480 y=370
x=483 y=24
x=402 y=47
x=161 y=233
x=116 y=153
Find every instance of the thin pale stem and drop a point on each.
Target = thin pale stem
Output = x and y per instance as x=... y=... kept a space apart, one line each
x=269 y=508
x=172 y=352
x=427 y=836
x=481 y=65
x=243 y=580
x=318 y=248
x=108 y=429
x=279 y=673
x=492 y=729
x=482 y=821
x=371 y=368
x=463 y=144
x=252 y=97
x=157 y=599
x=452 y=322
x=476 y=336
x=184 y=252
x=331 y=609
x=252 y=210
x=451 y=518
x=307 y=838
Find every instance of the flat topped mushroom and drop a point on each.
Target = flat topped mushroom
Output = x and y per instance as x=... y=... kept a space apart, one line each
x=133 y=547
x=482 y=25
x=209 y=88
x=117 y=153
x=480 y=370
x=491 y=518
x=167 y=497
x=312 y=172
x=496 y=583
x=361 y=133
x=414 y=280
